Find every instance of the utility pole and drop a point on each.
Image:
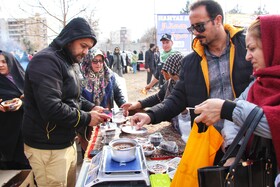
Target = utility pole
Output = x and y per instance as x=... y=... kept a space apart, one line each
x=123 y=37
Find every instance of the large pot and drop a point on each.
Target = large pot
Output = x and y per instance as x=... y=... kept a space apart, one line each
x=123 y=149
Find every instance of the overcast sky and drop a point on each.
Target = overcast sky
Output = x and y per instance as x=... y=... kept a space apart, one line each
x=136 y=15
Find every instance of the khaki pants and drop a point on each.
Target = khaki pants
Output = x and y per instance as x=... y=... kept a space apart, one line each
x=53 y=168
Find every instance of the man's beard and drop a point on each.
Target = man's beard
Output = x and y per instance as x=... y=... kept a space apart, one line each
x=71 y=56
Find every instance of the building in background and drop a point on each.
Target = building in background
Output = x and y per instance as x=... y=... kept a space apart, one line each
x=24 y=33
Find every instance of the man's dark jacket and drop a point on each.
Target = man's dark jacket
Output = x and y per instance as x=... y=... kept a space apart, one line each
x=194 y=86
x=150 y=61
x=53 y=106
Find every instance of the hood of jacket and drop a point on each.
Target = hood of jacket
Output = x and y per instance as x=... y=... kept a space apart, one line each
x=77 y=28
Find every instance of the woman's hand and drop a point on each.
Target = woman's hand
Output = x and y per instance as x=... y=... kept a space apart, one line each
x=229 y=161
x=209 y=111
x=1 y=106
x=18 y=103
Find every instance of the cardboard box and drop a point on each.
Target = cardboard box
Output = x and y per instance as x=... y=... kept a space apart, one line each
x=20 y=178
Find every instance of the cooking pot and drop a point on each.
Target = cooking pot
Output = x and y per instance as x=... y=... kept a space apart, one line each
x=123 y=149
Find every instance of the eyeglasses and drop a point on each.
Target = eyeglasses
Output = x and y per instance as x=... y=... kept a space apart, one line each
x=199 y=27
x=95 y=61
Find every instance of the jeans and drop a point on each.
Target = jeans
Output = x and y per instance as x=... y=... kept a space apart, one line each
x=134 y=66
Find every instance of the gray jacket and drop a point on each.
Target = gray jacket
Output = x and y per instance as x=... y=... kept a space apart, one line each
x=239 y=115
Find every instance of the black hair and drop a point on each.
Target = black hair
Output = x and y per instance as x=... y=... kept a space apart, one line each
x=212 y=7
x=152 y=45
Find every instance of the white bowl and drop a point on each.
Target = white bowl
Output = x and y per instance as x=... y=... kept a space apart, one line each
x=148 y=149
x=157 y=167
x=9 y=105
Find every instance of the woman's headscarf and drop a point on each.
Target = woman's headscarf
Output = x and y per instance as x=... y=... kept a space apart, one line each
x=96 y=83
x=9 y=89
x=173 y=65
x=265 y=92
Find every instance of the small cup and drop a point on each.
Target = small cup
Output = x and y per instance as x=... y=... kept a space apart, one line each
x=155 y=138
x=118 y=116
x=9 y=105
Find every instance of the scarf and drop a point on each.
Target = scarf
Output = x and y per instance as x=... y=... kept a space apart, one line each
x=164 y=55
x=265 y=92
x=173 y=63
x=11 y=86
x=97 y=87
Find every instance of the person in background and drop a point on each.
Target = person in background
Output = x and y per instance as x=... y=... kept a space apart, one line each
x=140 y=58
x=125 y=61
x=54 y=108
x=172 y=68
x=150 y=65
x=11 y=88
x=100 y=86
x=262 y=43
x=134 y=60
x=117 y=62
x=215 y=69
x=109 y=57
x=167 y=44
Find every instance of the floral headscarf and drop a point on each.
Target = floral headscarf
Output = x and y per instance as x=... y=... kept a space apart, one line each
x=96 y=83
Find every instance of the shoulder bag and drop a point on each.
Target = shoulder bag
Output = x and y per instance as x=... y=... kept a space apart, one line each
x=250 y=173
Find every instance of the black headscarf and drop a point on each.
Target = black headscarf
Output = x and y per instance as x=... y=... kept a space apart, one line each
x=11 y=143
x=8 y=89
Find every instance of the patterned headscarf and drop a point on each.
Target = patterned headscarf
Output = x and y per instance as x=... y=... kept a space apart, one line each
x=173 y=64
x=96 y=83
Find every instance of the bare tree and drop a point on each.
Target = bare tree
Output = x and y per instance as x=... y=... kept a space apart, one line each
x=235 y=10
x=60 y=14
x=186 y=10
x=149 y=36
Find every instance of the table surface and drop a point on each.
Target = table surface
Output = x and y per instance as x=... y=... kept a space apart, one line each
x=168 y=133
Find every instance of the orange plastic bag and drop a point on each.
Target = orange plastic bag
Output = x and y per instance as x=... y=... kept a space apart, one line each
x=200 y=151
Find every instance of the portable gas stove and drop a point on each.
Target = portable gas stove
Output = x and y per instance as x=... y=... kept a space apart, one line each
x=103 y=169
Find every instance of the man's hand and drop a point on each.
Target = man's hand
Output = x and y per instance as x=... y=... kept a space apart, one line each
x=98 y=108
x=209 y=110
x=98 y=117
x=139 y=119
x=126 y=108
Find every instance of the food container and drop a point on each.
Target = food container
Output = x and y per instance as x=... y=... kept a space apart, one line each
x=148 y=149
x=142 y=141
x=123 y=149
x=155 y=138
x=169 y=146
x=118 y=116
x=157 y=167
x=9 y=105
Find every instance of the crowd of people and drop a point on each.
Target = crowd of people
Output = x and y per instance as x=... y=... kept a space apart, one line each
x=67 y=87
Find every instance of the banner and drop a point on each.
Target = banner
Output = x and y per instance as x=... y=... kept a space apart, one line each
x=176 y=25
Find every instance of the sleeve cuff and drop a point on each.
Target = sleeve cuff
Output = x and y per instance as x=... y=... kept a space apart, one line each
x=150 y=114
x=227 y=110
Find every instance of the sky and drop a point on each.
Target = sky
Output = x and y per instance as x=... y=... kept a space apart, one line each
x=136 y=15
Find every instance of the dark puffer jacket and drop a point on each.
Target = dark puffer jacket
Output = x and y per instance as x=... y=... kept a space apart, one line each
x=53 y=106
x=194 y=87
